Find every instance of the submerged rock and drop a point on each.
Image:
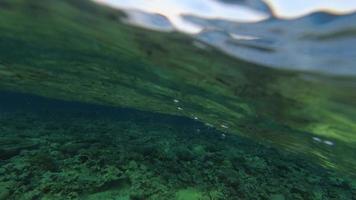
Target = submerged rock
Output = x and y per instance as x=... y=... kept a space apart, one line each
x=12 y=146
x=189 y=194
x=277 y=197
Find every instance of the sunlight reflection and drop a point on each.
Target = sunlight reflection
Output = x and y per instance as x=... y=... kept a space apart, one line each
x=299 y=8
x=174 y=10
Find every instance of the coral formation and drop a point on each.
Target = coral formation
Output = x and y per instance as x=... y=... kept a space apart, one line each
x=111 y=153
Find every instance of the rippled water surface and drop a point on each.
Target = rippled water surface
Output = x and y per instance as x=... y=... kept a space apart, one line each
x=188 y=100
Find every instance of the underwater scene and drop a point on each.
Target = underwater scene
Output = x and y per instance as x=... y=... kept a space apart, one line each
x=177 y=100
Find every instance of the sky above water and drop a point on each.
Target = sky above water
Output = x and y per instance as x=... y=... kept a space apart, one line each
x=294 y=39
x=174 y=9
x=298 y=8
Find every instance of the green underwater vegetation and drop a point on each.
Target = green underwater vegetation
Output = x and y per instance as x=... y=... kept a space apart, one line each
x=192 y=122
x=101 y=152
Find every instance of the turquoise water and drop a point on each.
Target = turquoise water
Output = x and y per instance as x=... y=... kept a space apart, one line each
x=93 y=107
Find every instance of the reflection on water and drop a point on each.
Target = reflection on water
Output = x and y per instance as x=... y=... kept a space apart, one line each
x=94 y=108
x=311 y=40
x=175 y=10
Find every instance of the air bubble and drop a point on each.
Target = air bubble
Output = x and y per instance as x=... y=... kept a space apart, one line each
x=327 y=142
x=224 y=126
x=316 y=139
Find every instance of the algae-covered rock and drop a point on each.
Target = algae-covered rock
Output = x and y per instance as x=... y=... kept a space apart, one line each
x=277 y=197
x=72 y=148
x=189 y=194
x=43 y=161
x=12 y=146
x=5 y=190
x=4 y=193
x=8 y=153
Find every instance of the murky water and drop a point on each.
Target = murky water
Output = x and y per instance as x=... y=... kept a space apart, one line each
x=94 y=104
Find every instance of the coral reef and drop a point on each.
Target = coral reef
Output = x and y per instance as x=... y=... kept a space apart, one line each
x=112 y=153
